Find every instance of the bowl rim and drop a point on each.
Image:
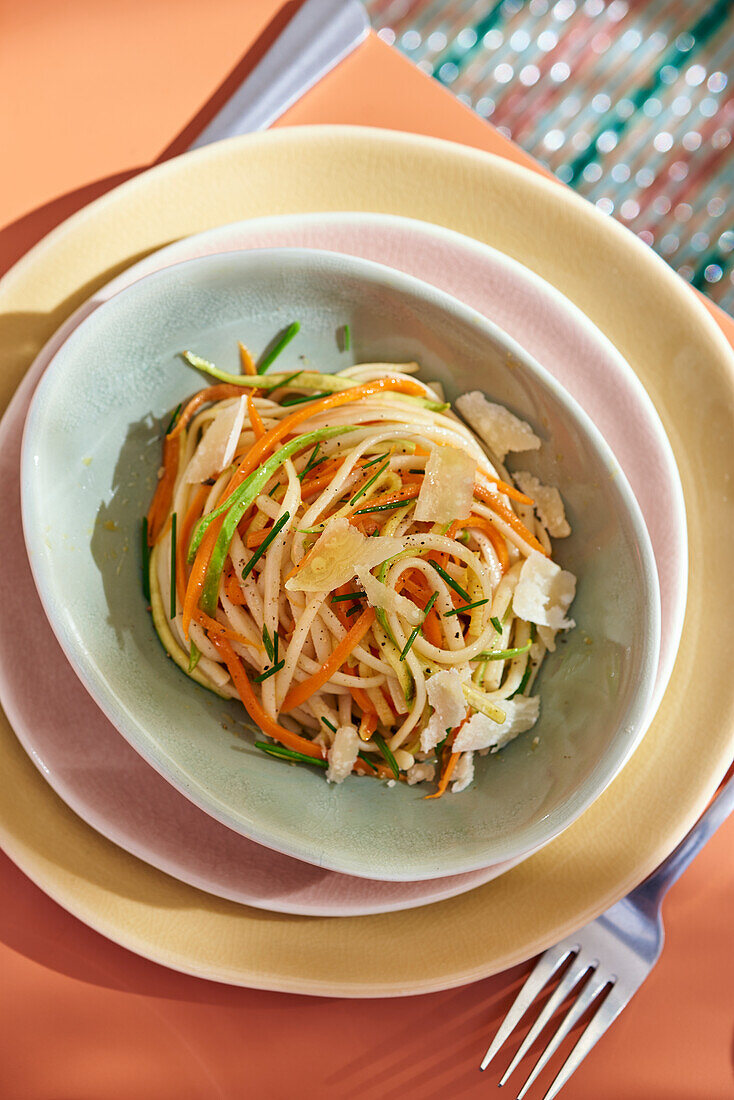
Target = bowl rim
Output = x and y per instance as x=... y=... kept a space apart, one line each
x=639 y=713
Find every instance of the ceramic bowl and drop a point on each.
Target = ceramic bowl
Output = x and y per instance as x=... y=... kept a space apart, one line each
x=90 y=454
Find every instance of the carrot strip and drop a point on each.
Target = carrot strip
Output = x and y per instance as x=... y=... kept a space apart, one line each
x=212 y=626
x=160 y=506
x=234 y=592
x=198 y=572
x=203 y=397
x=368 y=725
x=447 y=773
x=300 y=692
x=483 y=524
x=363 y=701
x=183 y=538
x=253 y=540
x=246 y=360
x=255 y=709
x=255 y=419
x=408 y=493
x=509 y=517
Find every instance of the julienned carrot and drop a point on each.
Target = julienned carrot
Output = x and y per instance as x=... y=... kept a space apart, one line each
x=248 y=363
x=204 y=397
x=214 y=627
x=509 y=490
x=254 y=539
x=198 y=572
x=408 y=493
x=481 y=523
x=258 y=427
x=234 y=592
x=446 y=776
x=160 y=506
x=509 y=517
x=254 y=708
x=367 y=725
x=184 y=534
x=325 y=476
x=300 y=692
x=363 y=701
x=256 y=456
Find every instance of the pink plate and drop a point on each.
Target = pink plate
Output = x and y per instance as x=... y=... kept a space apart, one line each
x=80 y=753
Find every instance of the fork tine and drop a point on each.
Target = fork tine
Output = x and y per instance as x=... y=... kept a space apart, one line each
x=605 y=1015
x=588 y=994
x=571 y=978
x=544 y=970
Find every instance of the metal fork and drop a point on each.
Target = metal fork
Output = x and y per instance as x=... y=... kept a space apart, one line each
x=615 y=952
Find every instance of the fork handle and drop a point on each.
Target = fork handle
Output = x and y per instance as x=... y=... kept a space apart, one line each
x=660 y=881
x=318 y=37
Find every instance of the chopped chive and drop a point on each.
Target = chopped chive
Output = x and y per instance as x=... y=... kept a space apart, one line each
x=420 y=471
x=372 y=480
x=349 y=596
x=353 y=610
x=365 y=757
x=265 y=544
x=194 y=655
x=268 y=644
x=533 y=632
x=451 y=582
x=282 y=342
x=174 y=519
x=524 y=682
x=288 y=401
x=329 y=724
x=276 y=486
x=414 y=633
x=375 y=533
x=388 y=756
x=503 y=654
x=268 y=672
x=496 y=624
x=146 y=558
x=380 y=508
x=466 y=607
x=288 y=379
x=310 y=462
x=276 y=644
x=346 y=338
x=283 y=753
x=174 y=418
x=372 y=462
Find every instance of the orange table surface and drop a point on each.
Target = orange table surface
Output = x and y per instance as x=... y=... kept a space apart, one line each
x=93 y=92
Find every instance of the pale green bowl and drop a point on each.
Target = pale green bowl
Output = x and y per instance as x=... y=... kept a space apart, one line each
x=90 y=455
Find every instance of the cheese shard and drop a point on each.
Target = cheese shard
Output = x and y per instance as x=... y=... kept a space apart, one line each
x=446 y=696
x=463 y=773
x=379 y=595
x=343 y=754
x=447 y=490
x=481 y=732
x=216 y=449
x=500 y=429
x=339 y=552
x=544 y=593
x=548 y=503
x=420 y=772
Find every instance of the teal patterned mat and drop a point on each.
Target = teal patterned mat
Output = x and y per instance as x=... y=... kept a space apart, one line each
x=631 y=102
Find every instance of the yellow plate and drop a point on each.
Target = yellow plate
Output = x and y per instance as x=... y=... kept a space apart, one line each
x=688 y=368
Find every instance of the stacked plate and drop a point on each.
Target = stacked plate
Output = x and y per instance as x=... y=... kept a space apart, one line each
x=176 y=884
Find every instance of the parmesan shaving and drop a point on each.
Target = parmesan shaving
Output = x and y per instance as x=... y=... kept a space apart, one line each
x=544 y=593
x=500 y=429
x=446 y=696
x=339 y=552
x=481 y=732
x=548 y=503
x=463 y=773
x=447 y=490
x=343 y=754
x=211 y=454
x=379 y=595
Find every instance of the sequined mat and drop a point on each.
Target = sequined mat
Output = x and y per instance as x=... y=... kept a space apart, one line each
x=630 y=103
